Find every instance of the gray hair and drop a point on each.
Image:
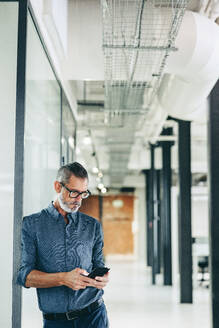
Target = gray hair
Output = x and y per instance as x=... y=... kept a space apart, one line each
x=66 y=171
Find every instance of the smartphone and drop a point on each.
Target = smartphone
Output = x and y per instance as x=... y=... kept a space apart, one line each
x=98 y=272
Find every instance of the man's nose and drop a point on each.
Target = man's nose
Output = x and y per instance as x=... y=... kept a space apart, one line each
x=79 y=197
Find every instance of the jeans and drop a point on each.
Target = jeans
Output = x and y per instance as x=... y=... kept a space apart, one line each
x=96 y=319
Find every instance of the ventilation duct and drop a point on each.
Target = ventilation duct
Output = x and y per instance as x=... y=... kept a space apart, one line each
x=192 y=71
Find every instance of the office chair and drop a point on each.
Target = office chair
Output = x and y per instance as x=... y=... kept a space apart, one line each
x=203 y=265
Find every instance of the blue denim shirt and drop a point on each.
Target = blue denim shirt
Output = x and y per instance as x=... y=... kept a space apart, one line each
x=50 y=245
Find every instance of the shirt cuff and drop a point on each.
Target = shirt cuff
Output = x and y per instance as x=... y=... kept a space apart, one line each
x=22 y=275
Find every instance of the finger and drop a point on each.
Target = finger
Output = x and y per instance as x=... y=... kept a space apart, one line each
x=85 y=272
x=100 y=285
x=87 y=280
x=92 y=283
x=82 y=271
x=105 y=276
x=76 y=286
x=80 y=286
x=103 y=279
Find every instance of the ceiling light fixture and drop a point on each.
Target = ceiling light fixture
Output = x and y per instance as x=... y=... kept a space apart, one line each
x=95 y=170
x=87 y=140
x=100 y=185
x=103 y=190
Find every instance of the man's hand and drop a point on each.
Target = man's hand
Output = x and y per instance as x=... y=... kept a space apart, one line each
x=100 y=282
x=76 y=279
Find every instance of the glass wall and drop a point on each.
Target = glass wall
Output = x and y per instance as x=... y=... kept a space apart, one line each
x=8 y=69
x=42 y=126
x=42 y=145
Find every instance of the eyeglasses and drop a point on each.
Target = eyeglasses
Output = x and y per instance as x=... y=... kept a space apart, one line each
x=76 y=193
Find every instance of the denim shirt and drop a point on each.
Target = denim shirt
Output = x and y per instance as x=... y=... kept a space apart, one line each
x=50 y=245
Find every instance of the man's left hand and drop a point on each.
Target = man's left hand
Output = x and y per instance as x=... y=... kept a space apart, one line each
x=100 y=282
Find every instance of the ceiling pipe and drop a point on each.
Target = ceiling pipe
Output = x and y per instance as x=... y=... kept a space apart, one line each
x=193 y=70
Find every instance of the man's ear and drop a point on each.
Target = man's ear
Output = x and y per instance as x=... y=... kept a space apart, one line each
x=57 y=187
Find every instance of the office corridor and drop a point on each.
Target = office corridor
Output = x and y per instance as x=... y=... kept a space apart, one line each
x=133 y=302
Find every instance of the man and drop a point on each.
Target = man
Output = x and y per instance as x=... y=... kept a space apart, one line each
x=60 y=246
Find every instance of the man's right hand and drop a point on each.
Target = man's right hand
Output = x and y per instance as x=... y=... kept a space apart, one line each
x=76 y=279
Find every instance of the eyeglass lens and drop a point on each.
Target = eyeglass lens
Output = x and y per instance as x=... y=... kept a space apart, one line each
x=75 y=194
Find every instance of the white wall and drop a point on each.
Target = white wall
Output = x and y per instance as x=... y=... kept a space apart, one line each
x=8 y=70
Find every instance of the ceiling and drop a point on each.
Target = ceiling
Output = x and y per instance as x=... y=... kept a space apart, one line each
x=118 y=112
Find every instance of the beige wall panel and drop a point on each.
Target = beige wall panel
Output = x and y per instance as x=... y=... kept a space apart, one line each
x=117 y=222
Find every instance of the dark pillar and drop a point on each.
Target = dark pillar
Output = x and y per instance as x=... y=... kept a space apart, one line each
x=155 y=219
x=166 y=209
x=185 y=237
x=213 y=144
x=149 y=221
x=153 y=177
x=158 y=205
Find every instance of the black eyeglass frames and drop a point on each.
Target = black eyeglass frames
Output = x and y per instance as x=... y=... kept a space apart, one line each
x=76 y=193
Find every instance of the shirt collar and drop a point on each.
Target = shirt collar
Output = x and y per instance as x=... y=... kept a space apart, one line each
x=54 y=213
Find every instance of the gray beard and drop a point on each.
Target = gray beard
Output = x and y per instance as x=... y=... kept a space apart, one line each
x=64 y=206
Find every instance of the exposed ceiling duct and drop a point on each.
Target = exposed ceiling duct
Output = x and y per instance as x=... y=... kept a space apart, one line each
x=192 y=72
x=138 y=37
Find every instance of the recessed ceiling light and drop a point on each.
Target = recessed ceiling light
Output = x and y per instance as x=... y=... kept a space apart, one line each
x=95 y=170
x=87 y=140
x=100 y=186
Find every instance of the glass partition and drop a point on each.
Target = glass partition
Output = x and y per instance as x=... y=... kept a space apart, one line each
x=42 y=125
x=42 y=145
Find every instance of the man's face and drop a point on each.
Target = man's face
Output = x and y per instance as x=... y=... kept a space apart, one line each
x=68 y=204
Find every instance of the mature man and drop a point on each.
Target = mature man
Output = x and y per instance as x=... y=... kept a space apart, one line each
x=60 y=246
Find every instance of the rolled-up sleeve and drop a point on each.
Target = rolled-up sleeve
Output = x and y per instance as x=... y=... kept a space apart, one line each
x=28 y=249
x=98 y=248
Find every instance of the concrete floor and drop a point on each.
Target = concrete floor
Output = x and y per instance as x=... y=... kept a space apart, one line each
x=132 y=301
